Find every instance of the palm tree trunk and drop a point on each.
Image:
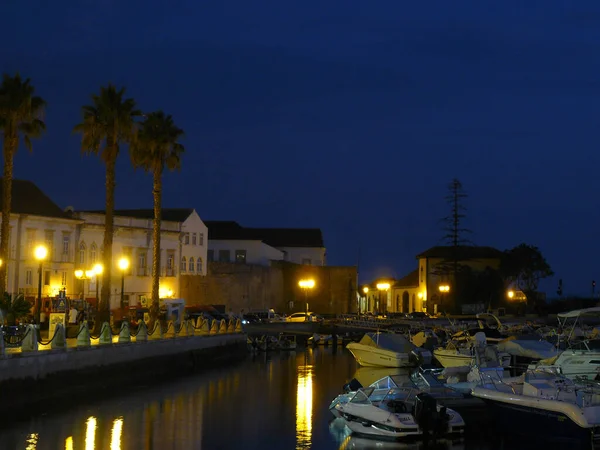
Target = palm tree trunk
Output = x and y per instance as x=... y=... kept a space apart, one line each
x=104 y=306
x=157 y=194
x=9 y=147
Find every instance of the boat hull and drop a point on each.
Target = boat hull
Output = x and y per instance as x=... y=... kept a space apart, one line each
x=369 y=356
x=452 y=358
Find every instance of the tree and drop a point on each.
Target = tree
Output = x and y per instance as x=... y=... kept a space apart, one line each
x=21 y=116
x=107 y=123
x=524 y=266
x=155 y=149
x=455 y=232
x=12 y=310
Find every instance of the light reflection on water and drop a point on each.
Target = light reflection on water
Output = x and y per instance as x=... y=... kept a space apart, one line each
x=269 y=401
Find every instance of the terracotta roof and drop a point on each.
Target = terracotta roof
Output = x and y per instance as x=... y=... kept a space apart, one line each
x=276 y=237
x=167 y=214
x=462 y=253
x=410 y=280
x=27 y=198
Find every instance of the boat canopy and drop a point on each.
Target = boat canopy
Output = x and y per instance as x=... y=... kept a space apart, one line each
x=388 y=341
x=528 y=348
x=579 y=312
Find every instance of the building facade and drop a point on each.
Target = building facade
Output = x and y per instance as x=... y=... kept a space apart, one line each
x=231 y=242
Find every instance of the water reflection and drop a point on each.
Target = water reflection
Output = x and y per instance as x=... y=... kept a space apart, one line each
x=31 y=441
x=304 y=407
x=90 y=433
x=115 y=434
x=69 y=443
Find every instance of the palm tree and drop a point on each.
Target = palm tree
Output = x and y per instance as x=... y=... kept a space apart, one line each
x=157 y=147
x=107 y=123
x=21 y=116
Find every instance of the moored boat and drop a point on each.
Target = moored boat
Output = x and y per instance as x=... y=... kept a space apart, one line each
x=388 y=350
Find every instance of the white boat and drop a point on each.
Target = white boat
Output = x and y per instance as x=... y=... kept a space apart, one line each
x=388 y=350
x=398 y=413
x=546 y=405
x=581 y=359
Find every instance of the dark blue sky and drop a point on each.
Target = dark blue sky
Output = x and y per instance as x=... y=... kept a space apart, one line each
x=350 y=116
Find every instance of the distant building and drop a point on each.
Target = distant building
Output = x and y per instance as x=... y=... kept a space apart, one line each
x=228 y=241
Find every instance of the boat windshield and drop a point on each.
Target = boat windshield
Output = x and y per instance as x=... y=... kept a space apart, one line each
x=403 y=394
x=387 y=382
x=588 y=344
x=361 y=397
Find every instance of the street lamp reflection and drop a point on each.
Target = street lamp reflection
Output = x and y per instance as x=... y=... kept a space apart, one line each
x=69 y=443
x=32 y=441
x=90 y=433
x=115 y=434
x=304 y=407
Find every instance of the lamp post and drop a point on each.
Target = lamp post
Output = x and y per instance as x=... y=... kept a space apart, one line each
x=383 y=287
x=123 y=265
x=40 y=253
x=98 y=269
x=84 y=275
x=366 y=292
x=306 y=285
x=444 y=289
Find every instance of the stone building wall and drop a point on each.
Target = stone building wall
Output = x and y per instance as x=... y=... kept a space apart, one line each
x=247 y=286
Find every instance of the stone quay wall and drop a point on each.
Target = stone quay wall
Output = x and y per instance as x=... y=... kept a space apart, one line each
x=254 y=287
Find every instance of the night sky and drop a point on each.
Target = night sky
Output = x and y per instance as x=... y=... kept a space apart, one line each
x=350 y=116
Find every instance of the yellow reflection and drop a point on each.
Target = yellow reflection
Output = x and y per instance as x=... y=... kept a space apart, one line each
x=90 y=433
x=115 y=434
x=31 y=441
x=304 y=407
x=69 y=443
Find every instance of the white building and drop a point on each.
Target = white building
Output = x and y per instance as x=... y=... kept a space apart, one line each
x=228 y=241
x=182 y=240
x=36 y=220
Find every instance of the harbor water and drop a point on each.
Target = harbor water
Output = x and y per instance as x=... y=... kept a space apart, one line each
x=268 y=401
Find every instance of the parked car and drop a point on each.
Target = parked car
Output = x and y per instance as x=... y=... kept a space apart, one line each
x=304 y=317
x=419 y=315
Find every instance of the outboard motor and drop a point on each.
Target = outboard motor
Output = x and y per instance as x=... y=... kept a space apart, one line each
x=430 y=420
x=353 y=386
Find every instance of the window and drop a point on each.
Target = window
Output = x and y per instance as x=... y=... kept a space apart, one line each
x=29 y=277
x=186 y=238
x=93 y=253
x=306 y=261
x=210 y=255
x=183 y=264
x=170 y=263
x=142 y=259
x=46 y=278
x=49 y=238
x=240 y=256
x=200 y=238
x=193 y=238
x=199 y=265
x=170 y=258
x=191 y=265
x=66 y=243
x=64 y=278
x=30 y=241
x=224 y=255
x=82 y=253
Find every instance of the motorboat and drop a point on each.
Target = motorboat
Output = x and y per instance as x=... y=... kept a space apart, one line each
x=546 y=404
x=287 y=342
x=581 y=358
x=388 y=350
x=460 y=353
x=324 y=339
x=398 y=413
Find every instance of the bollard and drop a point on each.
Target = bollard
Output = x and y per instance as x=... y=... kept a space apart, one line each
x=231 y=326
x=1 y=343
x=189 y=328
x=213 y=327
x=142 y=334
x=59 y=340
x=157 y=331
x=30 y=342
x=105 y=334
x=202 y=326
x=170 y=330
x=83 y=336
x=124 y=334
x=223 y=327
x=238 y=326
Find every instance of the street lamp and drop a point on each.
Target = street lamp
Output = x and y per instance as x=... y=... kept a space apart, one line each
x=98 y=269
x=444 y=289
x=40 y=253
x=382 y=287
x=366 y=291
x=510 y=294
x=123 y=265
x=306 y=285
x=83 y=275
